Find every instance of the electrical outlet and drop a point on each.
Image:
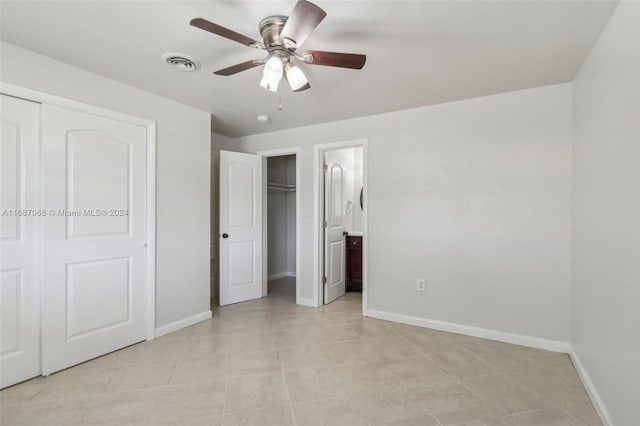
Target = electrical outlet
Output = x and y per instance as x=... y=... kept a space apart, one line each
x=421 y=285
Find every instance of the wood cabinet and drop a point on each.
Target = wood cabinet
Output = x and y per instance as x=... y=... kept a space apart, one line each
x=354 y=263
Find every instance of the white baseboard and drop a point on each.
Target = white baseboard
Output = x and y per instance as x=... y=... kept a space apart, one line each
x=277 y=276
x=596 y=399
x=180 y=324
x=484 y=333
x=306 y=302
x=281 y=275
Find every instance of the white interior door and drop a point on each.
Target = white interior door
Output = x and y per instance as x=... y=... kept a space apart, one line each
x=93 y=294
x=19 y=241
x=240 y=227
x=334 y=249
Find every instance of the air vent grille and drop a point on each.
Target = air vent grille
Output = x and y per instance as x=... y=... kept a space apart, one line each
x=181 y=61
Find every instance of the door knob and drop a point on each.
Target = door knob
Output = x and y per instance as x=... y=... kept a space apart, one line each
x=225 y=235
x=143 y=244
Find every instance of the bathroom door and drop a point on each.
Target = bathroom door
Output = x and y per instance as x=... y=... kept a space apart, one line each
x=334 y=243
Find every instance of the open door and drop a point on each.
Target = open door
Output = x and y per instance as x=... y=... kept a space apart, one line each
x=240 y=227
x=334 y=253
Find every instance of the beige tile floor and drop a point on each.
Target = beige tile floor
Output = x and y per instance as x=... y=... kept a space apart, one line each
x=271 y=362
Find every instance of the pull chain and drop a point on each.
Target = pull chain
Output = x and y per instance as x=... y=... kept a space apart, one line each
x=280 y=103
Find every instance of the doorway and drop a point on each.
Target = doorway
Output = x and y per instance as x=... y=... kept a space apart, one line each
x=280 y=253
x=243 y=205
x=341 y=218
x=282 y=176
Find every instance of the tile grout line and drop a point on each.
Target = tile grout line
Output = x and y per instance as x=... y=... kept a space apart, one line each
x=286 y=387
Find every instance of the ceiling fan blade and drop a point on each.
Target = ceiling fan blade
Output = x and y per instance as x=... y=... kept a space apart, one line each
x=333 y=59
x=234 y=69
x=203 y=24
x=305 y=87
x=304 y=18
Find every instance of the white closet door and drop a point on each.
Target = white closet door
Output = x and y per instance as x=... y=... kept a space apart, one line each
x=94 y=265
x=19 y=238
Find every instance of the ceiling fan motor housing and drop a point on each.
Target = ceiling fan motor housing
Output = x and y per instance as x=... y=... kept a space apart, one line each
x=270 y=29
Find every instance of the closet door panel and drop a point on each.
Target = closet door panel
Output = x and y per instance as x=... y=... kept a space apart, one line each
x=95 y=246
x=19 y=241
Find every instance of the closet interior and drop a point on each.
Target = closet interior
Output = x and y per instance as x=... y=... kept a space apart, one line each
x=281 y=225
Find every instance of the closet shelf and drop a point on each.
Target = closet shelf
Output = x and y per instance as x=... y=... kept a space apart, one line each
x=273 y=186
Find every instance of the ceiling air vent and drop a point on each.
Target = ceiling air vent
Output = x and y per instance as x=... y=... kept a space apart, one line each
x=181 y=61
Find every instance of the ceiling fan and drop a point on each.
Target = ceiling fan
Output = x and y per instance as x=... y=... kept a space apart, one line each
x=282 y=36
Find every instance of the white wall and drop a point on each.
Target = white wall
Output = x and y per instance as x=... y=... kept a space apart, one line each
x=606 y=216
x=221 y=142
x=473 y=195
x=277 y=233
x=183 y=138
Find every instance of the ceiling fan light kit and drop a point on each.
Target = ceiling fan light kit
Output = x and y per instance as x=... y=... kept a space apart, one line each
x=272 y=73
x=269 y=85
x=295 y=77
x=281 y=37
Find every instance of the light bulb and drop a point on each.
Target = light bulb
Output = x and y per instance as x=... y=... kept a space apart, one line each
x=273 y=69
x=296 y=77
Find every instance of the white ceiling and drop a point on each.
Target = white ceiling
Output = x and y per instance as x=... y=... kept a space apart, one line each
x=418 y=52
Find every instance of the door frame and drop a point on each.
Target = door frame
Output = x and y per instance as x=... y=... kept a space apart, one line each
x=265 y=252
x=318 y=201
x=150 y=267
